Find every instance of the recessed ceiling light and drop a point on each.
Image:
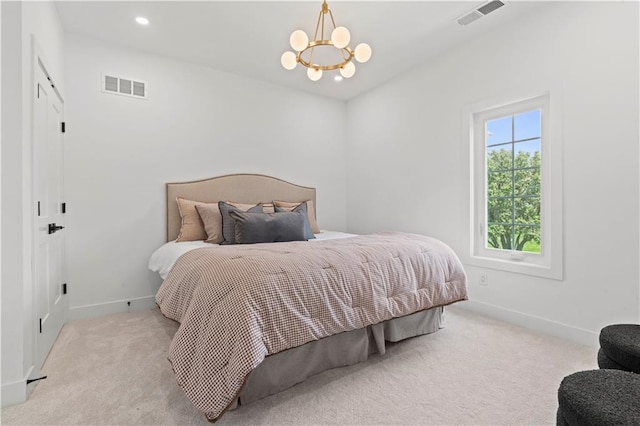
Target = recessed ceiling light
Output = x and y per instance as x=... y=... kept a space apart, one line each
x=142 y=20
x=337 y=78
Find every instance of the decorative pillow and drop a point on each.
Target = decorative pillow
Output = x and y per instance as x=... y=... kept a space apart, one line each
x=228 y=223
x=308 y=233
x=288 y=206
x=212 y=220
x=254 y=228
x=192 y=228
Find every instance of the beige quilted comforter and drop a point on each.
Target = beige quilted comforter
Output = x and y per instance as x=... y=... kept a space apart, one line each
x=238 y=304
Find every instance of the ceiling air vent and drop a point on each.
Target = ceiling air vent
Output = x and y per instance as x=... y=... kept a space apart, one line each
x=124 y=86
x=480 y=11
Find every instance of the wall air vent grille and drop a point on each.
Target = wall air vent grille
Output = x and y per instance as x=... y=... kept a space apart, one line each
x=124 y=86
x=110 y=84
x=480 y=11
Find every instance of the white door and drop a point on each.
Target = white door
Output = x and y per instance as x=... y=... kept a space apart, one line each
x=49 y=271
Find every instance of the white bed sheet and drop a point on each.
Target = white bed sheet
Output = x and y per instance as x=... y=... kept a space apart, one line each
x=163 y=259
x=332 y=235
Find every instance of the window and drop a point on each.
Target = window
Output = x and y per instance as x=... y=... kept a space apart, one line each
x=516 y=188
x=512 y=167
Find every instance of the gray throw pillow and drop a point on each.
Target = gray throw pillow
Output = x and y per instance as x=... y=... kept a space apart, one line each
x=308 y=233
x=254 y=228
x=229 y=224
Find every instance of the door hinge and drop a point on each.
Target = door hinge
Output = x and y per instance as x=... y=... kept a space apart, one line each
x=40 y=325
x=38 y=90
x=63 y=127
x=64 y=288
x=63 y=207
x=38 y=208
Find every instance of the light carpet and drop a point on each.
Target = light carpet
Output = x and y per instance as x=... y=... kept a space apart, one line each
x=114 y=370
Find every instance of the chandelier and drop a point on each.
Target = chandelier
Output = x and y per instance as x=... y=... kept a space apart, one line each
x=335 y=51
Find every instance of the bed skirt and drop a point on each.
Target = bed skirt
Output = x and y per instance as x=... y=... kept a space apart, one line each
x=285 y=369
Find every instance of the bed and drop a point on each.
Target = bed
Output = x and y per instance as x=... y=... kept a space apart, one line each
x=259 y=318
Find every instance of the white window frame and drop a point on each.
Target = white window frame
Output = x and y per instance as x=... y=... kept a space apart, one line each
x=548 y=263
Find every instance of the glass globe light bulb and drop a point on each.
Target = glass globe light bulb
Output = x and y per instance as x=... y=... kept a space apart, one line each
x=348 y=70
x=362 y=52
x=340 y=37
x=289 y=60
x=314 y=74
x=299 y=40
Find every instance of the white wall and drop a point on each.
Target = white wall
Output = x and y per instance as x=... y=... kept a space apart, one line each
x=21 y=22
x=12 y=337
x=407 y=151
x=196 y=123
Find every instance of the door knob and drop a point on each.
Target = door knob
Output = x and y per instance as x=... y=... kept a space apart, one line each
x=53 y=228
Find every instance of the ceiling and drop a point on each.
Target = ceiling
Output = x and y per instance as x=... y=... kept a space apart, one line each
x=248 y=38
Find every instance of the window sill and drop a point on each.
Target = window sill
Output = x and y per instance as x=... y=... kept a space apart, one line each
x=517 y=267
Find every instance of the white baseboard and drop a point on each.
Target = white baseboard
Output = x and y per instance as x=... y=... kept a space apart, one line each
x=108 y=308
x=543 y=325
x=16 y=392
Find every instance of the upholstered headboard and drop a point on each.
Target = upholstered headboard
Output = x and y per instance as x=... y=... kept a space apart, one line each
x=240 y=188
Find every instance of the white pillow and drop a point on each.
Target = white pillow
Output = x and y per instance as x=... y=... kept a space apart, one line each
x=162 y=260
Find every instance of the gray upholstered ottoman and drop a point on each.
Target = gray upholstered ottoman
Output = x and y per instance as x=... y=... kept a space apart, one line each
x=620 y=347
x=599 y=397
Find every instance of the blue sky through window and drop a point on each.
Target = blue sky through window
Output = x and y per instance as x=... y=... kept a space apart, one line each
x=514 y=128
